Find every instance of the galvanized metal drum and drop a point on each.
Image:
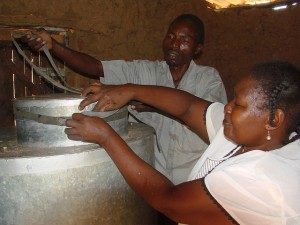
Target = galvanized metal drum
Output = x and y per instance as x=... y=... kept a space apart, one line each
x=45 y=178
x=40 y=120
x=78 y=185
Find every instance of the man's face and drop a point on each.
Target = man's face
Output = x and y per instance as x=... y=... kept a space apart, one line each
x=180 y=43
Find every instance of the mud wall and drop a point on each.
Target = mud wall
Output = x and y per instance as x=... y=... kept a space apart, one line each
x=129 y=29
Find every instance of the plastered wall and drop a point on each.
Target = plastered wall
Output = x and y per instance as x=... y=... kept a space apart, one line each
x=130 y=29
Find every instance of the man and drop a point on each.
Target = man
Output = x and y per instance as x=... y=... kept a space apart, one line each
x=178 y=148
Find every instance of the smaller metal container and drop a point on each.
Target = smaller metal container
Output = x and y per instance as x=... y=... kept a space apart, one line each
x=40 y=120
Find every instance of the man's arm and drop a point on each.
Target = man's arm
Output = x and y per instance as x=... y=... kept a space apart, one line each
x=78 y=61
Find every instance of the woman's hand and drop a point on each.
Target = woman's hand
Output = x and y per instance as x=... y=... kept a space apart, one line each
x=88 y=129
x=108 y=97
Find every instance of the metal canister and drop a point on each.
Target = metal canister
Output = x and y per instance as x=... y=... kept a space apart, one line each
x=40 y=120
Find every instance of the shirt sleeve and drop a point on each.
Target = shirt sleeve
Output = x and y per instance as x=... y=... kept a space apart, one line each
x=214 y=119
x=212 y=87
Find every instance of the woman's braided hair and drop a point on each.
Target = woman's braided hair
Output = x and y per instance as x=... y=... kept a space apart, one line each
x=280 y=82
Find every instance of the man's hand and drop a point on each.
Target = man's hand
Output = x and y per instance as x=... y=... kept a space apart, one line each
x=37 y=38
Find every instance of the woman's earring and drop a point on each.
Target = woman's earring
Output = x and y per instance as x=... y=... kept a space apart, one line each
x=268 y=136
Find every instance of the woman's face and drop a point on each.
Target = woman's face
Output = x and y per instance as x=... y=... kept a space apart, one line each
x=245 y=119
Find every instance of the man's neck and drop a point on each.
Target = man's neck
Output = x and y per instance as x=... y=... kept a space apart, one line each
x=177 y=73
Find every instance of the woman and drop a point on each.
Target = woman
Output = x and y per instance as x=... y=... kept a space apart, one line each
x=251 y=170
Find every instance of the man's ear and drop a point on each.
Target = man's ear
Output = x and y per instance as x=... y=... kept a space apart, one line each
x=199 y=49
x=278 y=120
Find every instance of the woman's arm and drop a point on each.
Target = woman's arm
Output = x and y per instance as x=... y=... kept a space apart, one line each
x=180 y=104
x=186 y=203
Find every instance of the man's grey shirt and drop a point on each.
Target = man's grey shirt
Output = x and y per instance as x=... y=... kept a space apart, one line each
x=178 y=148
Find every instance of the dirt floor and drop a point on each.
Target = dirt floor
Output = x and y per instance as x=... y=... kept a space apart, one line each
x=129 y=29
